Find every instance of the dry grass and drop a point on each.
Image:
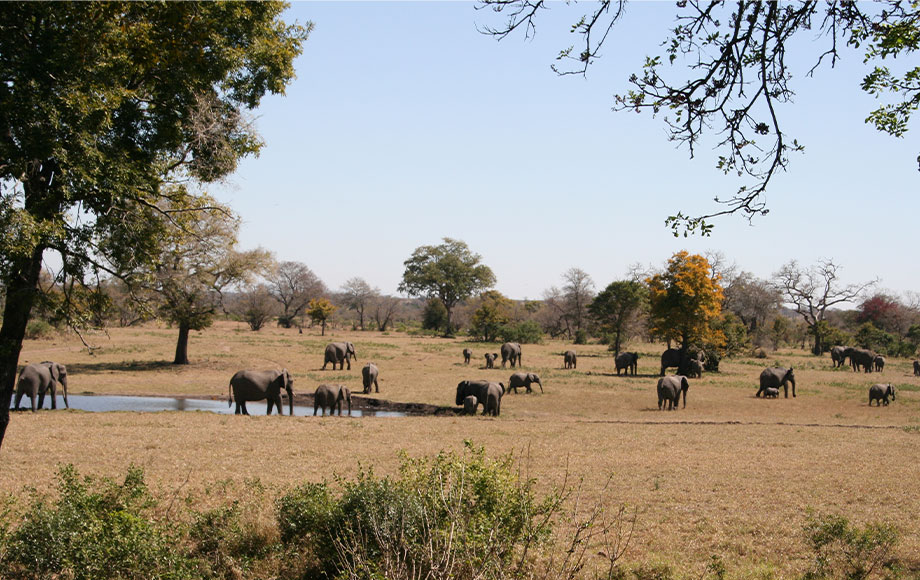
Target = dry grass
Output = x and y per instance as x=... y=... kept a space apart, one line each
x=729 y=475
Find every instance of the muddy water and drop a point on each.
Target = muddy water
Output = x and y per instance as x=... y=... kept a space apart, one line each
x=105 y=403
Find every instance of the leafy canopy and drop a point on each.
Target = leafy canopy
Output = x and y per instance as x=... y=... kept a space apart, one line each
x=684 y=299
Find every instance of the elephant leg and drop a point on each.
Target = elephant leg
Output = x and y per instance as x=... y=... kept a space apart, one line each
x=53 y=392
x=271 y=404
x=18 y=399
x=376 y=386
x=245 y=410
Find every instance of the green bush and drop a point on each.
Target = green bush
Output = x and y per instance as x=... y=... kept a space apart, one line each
x=525 y=332
x=38 y=329
x=843 y=550
x=95 y=529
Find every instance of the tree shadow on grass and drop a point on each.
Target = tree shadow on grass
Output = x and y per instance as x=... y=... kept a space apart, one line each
x=129 y=365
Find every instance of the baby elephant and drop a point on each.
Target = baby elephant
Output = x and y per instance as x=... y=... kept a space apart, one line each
x=490 y=360
x=880 y=393
x=467 y=354
x=771 y=393
x=470 y=404
x=369 y=375
x=570 y=360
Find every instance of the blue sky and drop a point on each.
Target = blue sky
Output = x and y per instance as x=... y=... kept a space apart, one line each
x=406 y=125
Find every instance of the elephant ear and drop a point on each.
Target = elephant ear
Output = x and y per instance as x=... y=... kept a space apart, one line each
x=55 y=372
x=684 y=383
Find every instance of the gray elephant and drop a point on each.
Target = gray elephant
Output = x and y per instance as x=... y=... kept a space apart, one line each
x=486 y=392
x=339 y=353
x=369 y=377
x=694 y=369
x=470 y=404
x=490 y=360
x=261 y=385
x=917 y=368
x=880 y=393
x=669 y=390
x=771 y=393
x=36 y=379
x=511 y=351
x=839 y=355
x=524 y=380
x=628 y=361
x=467 y=355
x=570 y=359
x=862 y=357
x=330 y=397
x=879 y=363
x=774 y=377
x=671 y=358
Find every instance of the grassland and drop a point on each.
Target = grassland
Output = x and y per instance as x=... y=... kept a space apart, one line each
x=730 y=475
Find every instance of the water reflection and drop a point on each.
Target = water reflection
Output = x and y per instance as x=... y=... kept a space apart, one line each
x=101 y=404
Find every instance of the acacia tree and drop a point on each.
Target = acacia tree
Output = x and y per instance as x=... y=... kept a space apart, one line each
x=812 y=290
x=616 y=308
x=320 y=310
x=449 y=272
x=734 y=56
x=683 y=301
x=101 y=102
x=293 y=285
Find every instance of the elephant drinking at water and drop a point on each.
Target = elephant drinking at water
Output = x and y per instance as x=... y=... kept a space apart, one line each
x=369 y=377
x=487 y=393
x=774 y=377
x=259 y=385
x=35 y=379
x=330 y=397
x=339 y=353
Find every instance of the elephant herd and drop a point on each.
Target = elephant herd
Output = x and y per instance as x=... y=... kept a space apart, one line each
x=860 y=358
x=472 y=393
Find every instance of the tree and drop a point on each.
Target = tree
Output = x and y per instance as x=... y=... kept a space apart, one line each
x=751 y=299
x=570 y=303
x=683 y=301
x=734 y=54
x=320 y=310
x=812 y=290
x=357 y=296
x=383 y=309
x=293 y=285
x=616 y=307
x=196 y=263
x=256 y=306
x=493 y=313
x=100 y=104
x=449 y=272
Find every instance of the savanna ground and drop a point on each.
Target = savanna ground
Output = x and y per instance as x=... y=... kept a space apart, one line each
x=730 y=475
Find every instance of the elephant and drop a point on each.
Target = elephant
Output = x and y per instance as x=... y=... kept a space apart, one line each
x=839 y=355
x=669 y=389
x=486 y=392
x=880 y=393
x=369 y=376
x=774 y=377
x=259 y=385
x=467 y=355
x=330 y=396
x=470 y=404
x=861 y=357
x=695 y=369
x=511 y=351
x=771 y=393
x=36 y=379
x=879 y=363
x=628 y=361
x=341 y=353
x=672 y=358
x=569 y=359
x=524 y=380
x=490 y=360
x=917 y=368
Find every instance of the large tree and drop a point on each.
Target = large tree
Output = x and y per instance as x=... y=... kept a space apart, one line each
x=449 y=272
x=357 y=295
x=812 y=290
x=100 y=104
x=570 y=303
x=293 y=285
x=616 y=309
x=723 y=70
x=684 y=299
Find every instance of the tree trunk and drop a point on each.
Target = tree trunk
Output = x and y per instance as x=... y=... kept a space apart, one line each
x=447 y=333
x=361 y=318
x=323 y=331
x=182 y=345
x=21 y=290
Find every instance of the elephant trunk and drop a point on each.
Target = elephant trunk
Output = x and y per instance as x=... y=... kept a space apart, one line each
x=290 y=393
x=63 y=382
x=541 y=385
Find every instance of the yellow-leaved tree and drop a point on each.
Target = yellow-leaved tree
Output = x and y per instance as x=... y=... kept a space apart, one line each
x=683 y=301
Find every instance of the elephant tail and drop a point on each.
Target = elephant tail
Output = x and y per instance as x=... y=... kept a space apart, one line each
x=230 y=395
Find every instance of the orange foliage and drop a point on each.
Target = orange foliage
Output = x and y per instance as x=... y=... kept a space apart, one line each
x=684 y=299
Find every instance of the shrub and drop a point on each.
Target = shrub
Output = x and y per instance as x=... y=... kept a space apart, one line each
x=842 y=550
x=95 y=529
x=524 y=332
x=38 y=329
x=581 y=336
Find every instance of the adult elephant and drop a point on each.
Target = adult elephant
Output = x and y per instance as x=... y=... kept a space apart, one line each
x=862 y=357
x=511 y=351
x=369 y=377
x=570 y=359
x=330 y=397
x=518 y=380
x=36 y=379
x=488 y=393
x=261 y=385
x=839 y=355
x=669 y=390
x=672 y=358
x=339 y=353
x=628 y=361
x=880 y=393
x=774 y=378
